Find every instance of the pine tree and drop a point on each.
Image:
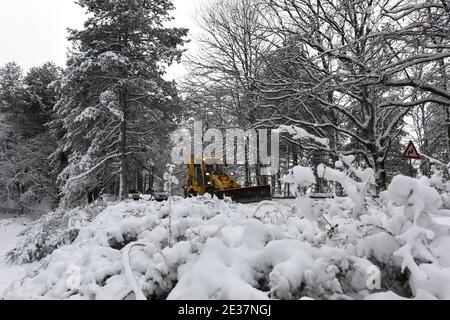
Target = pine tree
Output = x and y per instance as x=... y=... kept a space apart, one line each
x=40 y=85
x=113 y=92
x=25 y=178
x=11 y=85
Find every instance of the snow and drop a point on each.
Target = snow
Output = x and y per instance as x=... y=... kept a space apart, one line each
x=418 y=196
x=304 y=176
x=10 y=228
x=112 y=59
x=356 y=187
x=436 y=283
x=299 y=134
x=206 y=248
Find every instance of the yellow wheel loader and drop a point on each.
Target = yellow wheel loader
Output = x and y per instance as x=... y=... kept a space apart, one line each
x=210 y=177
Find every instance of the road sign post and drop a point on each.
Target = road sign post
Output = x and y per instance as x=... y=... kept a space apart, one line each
x=411 y=154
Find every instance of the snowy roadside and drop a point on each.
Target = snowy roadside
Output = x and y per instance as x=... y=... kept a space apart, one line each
x=10 y=229
x=343 y=248
x=222 y=251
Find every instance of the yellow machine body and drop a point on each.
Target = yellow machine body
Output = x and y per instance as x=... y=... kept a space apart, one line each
x=210 y=177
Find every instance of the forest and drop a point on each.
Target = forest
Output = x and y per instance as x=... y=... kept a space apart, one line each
x=367 y=75
x=348 y=85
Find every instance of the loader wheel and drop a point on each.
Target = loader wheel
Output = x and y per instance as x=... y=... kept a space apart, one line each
x=211 y=191
x=191 y=194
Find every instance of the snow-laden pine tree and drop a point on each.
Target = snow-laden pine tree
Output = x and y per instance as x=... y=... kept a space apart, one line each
x=113 y=93
x=25 y=182
x=11 y=85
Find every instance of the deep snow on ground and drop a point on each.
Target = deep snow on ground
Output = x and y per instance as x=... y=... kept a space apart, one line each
x=10 y=229
x=395 y=246
x=223 y=250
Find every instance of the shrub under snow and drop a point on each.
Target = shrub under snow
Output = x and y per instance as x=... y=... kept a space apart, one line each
x=53 y=231
x=269 y=250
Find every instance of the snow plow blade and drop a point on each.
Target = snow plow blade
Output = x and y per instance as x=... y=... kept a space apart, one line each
x=246 y=195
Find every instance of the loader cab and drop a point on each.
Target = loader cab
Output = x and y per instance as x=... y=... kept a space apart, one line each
x=203 y=178
x=214 y=169
x=214 y=166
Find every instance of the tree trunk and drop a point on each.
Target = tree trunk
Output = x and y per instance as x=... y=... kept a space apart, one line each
x=447 y=107
x=294 y=155
x=124 y=189
x=380 y=169
x=247 y=167
x=280 y=190
x=425 y=163
x=140 y=181
x=258 y=174
x=288 y=168
x=151 y=179
x=447 y=120
x=273 y=180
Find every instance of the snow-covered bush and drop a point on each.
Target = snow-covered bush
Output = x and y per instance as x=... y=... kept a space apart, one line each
x=440 y=181
x=300 y=178
x=422 y=237
x=356 y=182
x=396 y=248
x=52 y=231
x=418 y=197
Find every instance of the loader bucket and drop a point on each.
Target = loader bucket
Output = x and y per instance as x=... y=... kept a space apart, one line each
x=246 y=195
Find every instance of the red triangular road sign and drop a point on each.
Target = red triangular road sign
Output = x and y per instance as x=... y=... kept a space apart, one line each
x=411 y=152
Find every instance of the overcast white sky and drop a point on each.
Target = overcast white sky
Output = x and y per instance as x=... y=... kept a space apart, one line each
x=34 y=31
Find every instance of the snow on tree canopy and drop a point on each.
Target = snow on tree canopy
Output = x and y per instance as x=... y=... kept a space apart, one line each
x=112 y=59
x=299 y=134
x=109 y=99
x=113 y=95
x=89 y=113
